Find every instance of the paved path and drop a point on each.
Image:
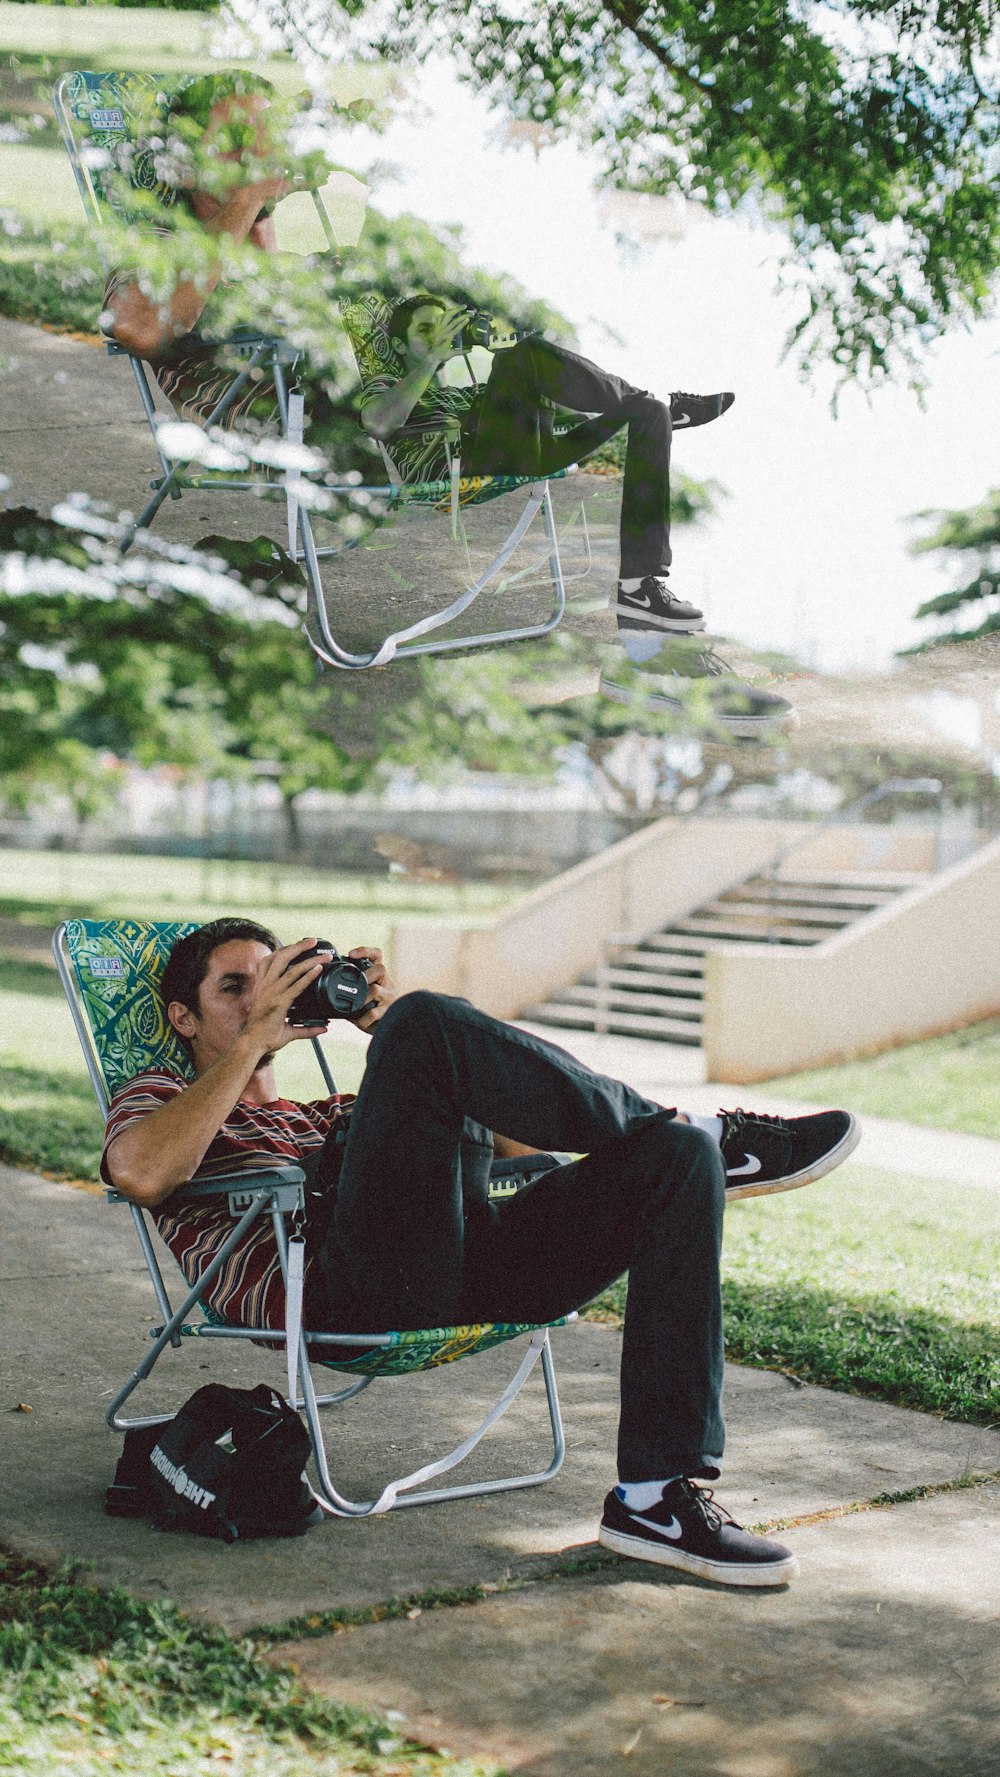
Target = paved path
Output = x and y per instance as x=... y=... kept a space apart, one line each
x=879 y=1662
x=676 y=1076
x=70 y=419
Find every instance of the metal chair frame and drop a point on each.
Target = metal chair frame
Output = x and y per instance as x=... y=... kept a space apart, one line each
x=280 y=1194
x=402 y=643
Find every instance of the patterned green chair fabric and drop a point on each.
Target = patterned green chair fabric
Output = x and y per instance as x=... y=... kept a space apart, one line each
x=426 y=1348
x=366 y=322
x=113 y=117
x=117 y=964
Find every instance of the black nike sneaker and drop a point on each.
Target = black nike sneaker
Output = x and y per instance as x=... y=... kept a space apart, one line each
x=686 y=1529
x=652 y=606
x=697 y=410
x=764 y=1154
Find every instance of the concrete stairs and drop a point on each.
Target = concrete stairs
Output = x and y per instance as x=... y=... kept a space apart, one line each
x=653 y=987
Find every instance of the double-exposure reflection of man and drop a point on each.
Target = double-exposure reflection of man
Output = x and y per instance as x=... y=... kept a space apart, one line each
x=542 y=407
x=504 y=427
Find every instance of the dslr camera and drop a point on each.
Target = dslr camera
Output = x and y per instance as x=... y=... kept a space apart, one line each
x=341 y=990
x=484 y=329
x=476 y=331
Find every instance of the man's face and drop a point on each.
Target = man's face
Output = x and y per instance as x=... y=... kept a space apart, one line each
x=225 y=1000
x=423 y=323
x=249 y=108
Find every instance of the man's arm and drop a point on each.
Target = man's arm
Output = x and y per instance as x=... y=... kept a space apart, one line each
x=386 y=411
x=147 y=327
x=163 y=1150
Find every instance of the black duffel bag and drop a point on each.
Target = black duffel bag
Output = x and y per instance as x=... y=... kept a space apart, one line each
x=229 y=1465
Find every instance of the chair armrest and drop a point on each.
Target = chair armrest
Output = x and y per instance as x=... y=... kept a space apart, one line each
x=285 y=1181
x=242 y=1181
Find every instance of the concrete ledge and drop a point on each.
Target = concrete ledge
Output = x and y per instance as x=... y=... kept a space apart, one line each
x=928 y=963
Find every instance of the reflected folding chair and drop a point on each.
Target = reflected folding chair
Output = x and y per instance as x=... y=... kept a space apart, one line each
x=100 y=116
x=110 y=971
x=366 y=320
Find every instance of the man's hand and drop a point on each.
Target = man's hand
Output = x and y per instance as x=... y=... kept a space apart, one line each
x=281 y=977
x=432 y=344
x=383 y=992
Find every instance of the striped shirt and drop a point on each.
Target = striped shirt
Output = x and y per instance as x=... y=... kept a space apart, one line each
x=193 y=371
x=418 y=448
x=249 y=1290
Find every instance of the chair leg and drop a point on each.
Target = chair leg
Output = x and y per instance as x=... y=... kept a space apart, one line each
x=168 y=1333
x=402 y=644
x=399 y=1492
x=171 y=484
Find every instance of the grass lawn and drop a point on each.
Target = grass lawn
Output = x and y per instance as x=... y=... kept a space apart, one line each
x=92 y=1682
x=950 y=1082
x=869 y=1282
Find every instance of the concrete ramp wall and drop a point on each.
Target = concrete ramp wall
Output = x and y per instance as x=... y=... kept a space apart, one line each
x=928 y=963
x=556 y=933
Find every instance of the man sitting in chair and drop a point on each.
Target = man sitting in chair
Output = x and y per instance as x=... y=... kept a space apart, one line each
x=504 y=428
x=238 y=157
x=500 y=428
x=403 y=1234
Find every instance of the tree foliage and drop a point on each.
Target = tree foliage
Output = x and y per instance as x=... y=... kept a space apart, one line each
x=164 y=658
x=866 y=129
x=971 y=538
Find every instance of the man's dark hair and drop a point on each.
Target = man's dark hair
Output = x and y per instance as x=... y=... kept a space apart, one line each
x=403 y=313
x=187 y=964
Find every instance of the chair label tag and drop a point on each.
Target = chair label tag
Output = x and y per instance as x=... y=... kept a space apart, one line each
x=105 y=965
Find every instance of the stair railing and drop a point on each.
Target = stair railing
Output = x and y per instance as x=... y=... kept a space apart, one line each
x=894 y=786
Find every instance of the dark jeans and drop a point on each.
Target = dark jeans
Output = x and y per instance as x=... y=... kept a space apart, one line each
x=413 y=1243
x=508 y=436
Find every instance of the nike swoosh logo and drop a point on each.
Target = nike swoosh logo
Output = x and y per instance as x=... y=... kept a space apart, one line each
x=682 y=419
x=638 y=598
x=752 y=1165
x=671 y=1530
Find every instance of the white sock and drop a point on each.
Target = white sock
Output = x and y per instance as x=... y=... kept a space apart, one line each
x=711 y=1125
x=640 y=1495
x=634 y=585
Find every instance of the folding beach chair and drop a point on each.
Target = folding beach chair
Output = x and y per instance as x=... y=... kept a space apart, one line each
x=110 y=970
x=101 y=117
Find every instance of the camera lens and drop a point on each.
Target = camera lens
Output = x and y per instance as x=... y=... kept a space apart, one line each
x=340 y=990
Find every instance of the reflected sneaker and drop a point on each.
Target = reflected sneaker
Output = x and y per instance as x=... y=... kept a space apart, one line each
x=745 y=710
x=736 y=708
x=686 y=1529
x=698 y=410
x=764 y=1154
x=651 y=605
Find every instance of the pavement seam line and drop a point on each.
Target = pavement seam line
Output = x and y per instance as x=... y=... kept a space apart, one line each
x=879 y=1501
x=317 y=1623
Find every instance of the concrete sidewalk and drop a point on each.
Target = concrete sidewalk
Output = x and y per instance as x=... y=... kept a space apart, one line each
x=881 y=1659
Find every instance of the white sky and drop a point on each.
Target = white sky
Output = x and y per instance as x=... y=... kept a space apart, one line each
x=809 y=553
